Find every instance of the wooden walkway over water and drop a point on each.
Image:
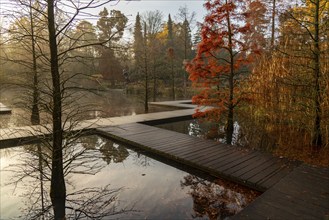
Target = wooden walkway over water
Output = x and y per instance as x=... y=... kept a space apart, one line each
x=302 y=194
x=291 y=190
x=257 y=170
x=23 y=135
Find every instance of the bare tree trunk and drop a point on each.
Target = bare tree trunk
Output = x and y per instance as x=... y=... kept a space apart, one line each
x=35 y=115
x=230 y=115
x=57 y=187
x=146 y=97
x=173 y=78
x=273 y=23
x=41 y=181
x=154 y=82
x=185 y=58
x=317 y=138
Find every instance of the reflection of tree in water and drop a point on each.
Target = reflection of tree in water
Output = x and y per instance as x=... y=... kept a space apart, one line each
x=216 y=200
x=142 y=160
x=32 y=173
x=113 y=152
x=94 y=203
x=204 y=129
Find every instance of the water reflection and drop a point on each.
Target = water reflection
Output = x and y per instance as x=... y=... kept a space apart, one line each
x=124 y=184
x=203 y=129
x=216 y=201
x=113 y=152
x=28 y=174
x=109 y=103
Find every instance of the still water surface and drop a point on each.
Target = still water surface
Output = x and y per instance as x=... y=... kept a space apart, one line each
x=203 y=129
x=107 y=178
x=110 y=103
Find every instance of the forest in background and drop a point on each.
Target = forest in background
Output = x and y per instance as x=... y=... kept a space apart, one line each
x=273 y=75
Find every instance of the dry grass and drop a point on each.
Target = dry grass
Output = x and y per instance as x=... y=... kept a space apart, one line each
x=305 y=154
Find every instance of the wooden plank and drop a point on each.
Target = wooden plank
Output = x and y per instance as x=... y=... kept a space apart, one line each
x=166 y=143
x=198 y=151
x=237 y=155
x=126 y=132
x=240 y=162
x=259 y=173
x=271 y=169
x=206 y=153
x=272 y=180
x=254 y=165
x=199 y=157
x=151 y=137
x=205 y=150
x=222 y=153
x=188 y=146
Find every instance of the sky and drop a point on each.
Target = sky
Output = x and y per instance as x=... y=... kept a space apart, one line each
x=131 y=8
x=169 y=6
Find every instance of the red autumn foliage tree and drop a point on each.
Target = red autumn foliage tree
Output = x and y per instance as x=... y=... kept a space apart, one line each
x=221 y=62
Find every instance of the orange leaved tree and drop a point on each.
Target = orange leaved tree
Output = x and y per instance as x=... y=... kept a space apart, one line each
x=221 y=62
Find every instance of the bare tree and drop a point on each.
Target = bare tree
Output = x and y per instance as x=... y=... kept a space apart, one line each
x=153 y=23
x=186 y=19
x=59 y=94
x=307 y=47
x=82 y=157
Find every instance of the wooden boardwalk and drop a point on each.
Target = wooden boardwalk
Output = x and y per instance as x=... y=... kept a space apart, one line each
x=23 y=135
x=302 y=194
x=257 y=170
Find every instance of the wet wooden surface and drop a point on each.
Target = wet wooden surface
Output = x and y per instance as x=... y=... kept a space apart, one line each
x=302 y=194
x=257 y=170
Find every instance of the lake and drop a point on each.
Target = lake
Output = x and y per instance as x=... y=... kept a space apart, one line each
x=111 y=180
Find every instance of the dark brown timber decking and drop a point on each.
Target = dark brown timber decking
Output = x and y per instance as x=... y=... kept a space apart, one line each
x=302 y=194
x=257 y=170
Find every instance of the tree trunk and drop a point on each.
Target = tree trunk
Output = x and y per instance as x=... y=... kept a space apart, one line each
x=317 y=138
x=273 y=23
x=146 y=97
x=57 y=186
x=41 y=181
x=173 y=79
x=185 y=58
x=35 y=114
x=230 y=114
x=154 y=82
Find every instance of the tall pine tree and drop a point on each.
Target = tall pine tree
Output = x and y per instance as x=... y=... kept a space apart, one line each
x=138 y=44
x=171 y=54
